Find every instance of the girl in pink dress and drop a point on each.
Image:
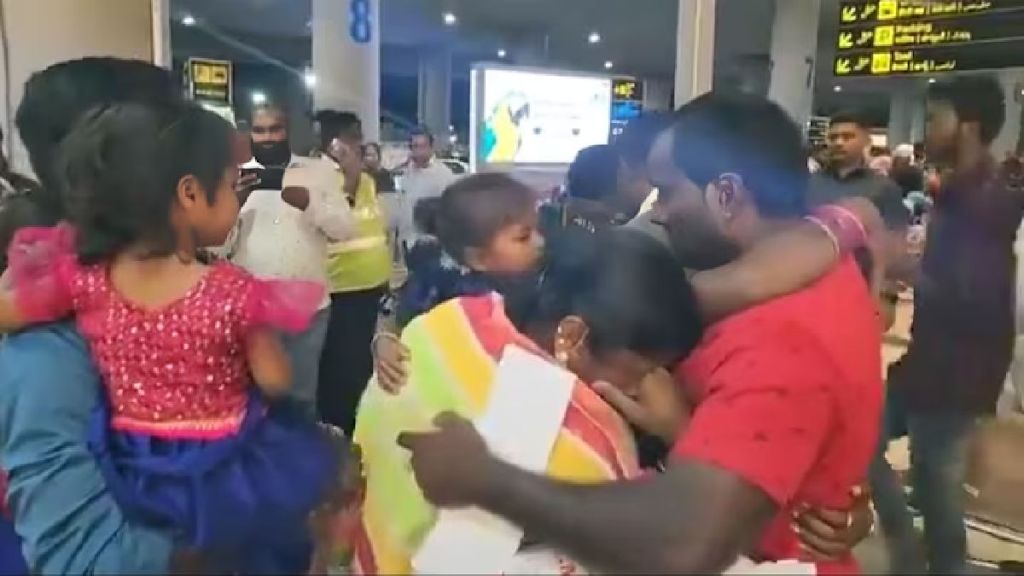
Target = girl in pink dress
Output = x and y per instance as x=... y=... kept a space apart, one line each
x=184 y=439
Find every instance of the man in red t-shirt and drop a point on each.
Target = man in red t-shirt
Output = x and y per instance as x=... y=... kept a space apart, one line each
x=788 y=394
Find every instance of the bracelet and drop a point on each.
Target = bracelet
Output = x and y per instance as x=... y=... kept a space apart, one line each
x=828 y=232
x=845 y=226
x=382 y=336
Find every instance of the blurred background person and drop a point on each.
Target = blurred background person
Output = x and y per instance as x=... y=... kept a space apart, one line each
x=359 y=269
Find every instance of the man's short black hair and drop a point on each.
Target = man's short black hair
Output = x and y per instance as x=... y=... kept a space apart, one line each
x=269 y=108
x=56 y=97
x=422 y=131
x=749 y=136
x=975 y=99
x=855 y=117
x=338 y=124
x=635 y=143
x=593 y=175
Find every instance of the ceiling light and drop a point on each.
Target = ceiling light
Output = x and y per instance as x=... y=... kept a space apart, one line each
x=931 y=80
x=309 y=78
x=502 y=53
x=837 y=88
x=608 y=64
x=450 y=19
x=594 y=38
x=259 y=98
x=188 y=20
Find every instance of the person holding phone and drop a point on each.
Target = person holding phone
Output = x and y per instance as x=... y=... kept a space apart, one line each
x=290 y=214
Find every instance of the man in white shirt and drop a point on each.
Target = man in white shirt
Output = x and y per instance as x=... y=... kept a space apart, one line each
x=284 y=233
x=424 y=177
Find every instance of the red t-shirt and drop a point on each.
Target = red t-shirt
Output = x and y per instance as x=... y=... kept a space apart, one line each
x=789 y=398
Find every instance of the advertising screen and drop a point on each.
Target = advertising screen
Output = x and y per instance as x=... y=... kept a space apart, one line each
x=531 y=117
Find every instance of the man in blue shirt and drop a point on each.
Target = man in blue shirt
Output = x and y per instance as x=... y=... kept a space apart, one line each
x=68 y=521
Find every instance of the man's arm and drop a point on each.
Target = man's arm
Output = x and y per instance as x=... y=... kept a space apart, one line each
x=69 y=522
x=745 y=454
x=693 y=518
x=327 y=210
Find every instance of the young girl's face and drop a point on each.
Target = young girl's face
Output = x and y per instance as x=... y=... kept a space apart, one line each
x=213 y=219
x=515 y=248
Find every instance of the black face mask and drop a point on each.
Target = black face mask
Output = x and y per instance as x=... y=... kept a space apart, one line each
x=272 y=153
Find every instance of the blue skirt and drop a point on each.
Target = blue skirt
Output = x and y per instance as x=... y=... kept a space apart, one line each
x=12 y=562
x=243 y=500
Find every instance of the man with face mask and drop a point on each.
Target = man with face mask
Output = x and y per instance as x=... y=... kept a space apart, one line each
x=283 y=232
x=788 y=394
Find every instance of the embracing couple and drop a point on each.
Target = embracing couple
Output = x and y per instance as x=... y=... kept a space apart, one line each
x=784 y=381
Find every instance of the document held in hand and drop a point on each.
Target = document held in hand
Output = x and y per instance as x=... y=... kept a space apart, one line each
x=520 y=425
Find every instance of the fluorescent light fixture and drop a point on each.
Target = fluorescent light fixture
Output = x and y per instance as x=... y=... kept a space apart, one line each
x=594 y=38
x=450 y=19
x=188 y=20
x=259 y=98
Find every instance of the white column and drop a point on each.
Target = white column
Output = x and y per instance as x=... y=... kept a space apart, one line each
x=162 y=54
x=695 y=49
x=657 y=94
x=793 y=53
x=347 y=71
x=906 y=114
x=435 y=91
x=40 y=33
x=1009 y=137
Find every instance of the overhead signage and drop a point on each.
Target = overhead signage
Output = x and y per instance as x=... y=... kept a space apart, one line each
x=209 y=80
x=627 y=103
x=888 y=37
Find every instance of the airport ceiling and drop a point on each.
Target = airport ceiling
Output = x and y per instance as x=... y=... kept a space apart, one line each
x=638 y=36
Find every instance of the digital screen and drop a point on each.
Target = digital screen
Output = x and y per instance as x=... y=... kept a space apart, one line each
x=627 y=89
x=888 y=37
x=542 y=118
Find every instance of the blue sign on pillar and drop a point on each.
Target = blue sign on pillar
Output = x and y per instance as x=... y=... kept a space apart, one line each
x=360 y=21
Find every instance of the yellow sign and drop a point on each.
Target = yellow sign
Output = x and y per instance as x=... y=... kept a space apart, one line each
x=881 y=63
x=884 y=35
x=210 y=80
x=843 y=66
x=845 y=40
x=888 y=9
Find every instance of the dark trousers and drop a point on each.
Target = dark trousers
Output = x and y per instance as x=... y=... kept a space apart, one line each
x=346 y=362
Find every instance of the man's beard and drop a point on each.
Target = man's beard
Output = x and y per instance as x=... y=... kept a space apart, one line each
x=697 y=247
x=272 y=153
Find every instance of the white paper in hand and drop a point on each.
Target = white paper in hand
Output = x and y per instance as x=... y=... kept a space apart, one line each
x=520 y=425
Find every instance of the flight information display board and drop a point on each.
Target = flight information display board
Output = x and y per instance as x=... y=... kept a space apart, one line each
x=890 y=37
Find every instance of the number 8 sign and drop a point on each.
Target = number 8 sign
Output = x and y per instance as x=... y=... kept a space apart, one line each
x=360 y=20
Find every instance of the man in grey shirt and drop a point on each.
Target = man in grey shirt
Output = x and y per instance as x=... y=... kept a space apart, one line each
x=848 y=175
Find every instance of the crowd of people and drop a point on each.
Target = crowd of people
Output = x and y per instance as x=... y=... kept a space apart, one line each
x=201 y=374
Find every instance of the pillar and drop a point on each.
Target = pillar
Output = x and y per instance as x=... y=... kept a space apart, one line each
x=346 y=59
x=43 y=32
x=793 y=52
x=657 y=94
x=906 y=113
x=435 y=91
x=1009 y=138
x=695 y=49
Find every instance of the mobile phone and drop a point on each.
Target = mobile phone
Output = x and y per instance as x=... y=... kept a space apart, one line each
x=269 y=178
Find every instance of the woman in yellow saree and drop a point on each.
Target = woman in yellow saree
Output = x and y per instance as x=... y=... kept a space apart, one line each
x=613 y=312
